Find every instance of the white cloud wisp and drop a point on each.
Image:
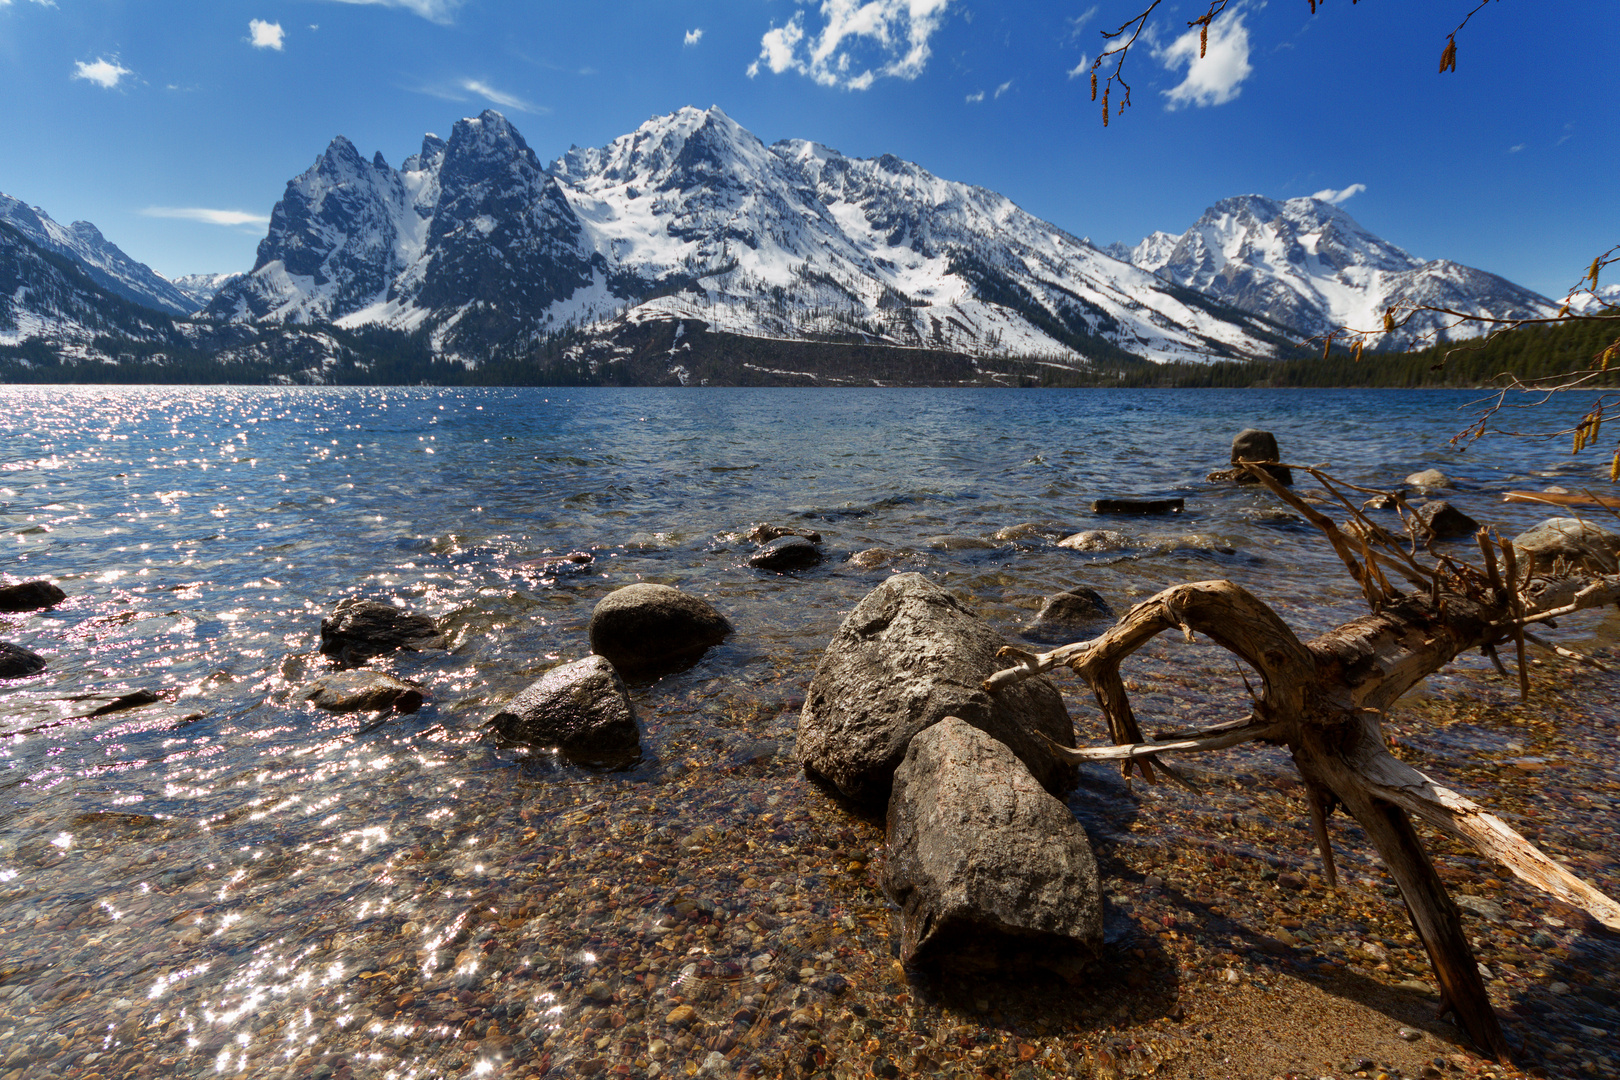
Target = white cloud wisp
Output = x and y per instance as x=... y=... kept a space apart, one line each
x=205 y=215
x=501 y=98
x=265 y=35
x=1218 y=76
x=891 y=35
x=693 y=37
x=103 y=72
x=439 y=11
x=1339 y=196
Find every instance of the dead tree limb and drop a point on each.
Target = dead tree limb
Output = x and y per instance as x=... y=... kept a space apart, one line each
x=1325 y=700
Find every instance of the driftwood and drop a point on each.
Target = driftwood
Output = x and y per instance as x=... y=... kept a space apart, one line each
x=1325 y=700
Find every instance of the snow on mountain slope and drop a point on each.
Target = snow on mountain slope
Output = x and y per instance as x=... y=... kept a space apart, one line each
x=44 y=293
x=693 y=217
x=199 y=289
x=97 y=256
x=1307 y=264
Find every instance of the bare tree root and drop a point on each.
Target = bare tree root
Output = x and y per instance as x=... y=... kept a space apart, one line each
x=1325 y=700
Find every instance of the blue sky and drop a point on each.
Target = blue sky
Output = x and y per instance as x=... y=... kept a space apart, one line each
x=174 y=126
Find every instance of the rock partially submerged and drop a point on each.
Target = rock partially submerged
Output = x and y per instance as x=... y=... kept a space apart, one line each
x=1569 y=546
x=358 y=630
x=982 y=858
x=364 y=691
x=1260 y=447
x=17 y=662
x=582 y=709
x=1095 y=540
x=791 y=552
x=765 y=533
x=1429 y=480
x=1138 y=506
x=1439 y=520
x=906 y=657
x=644 y=627
x=30 y=596
x=1068 y=616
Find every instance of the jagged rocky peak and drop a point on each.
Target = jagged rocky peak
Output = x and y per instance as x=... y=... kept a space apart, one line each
x=686 y=148
x=430 y=157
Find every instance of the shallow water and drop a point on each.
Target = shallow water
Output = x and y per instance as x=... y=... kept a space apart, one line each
x=230 y=881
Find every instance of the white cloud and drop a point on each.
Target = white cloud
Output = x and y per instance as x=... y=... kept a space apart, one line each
x=1216 y=78
x=881 y=38
x=438 y=11
x=1516 y=149
x=103 y=72
x=41 y=3
x=975 y=98
x=1003 y=88
x=1081 y=68
x=1337 y=197
x=504 y=100
x=693 y=37
x=265 y=35
x=206 y=216
x=1078 y=24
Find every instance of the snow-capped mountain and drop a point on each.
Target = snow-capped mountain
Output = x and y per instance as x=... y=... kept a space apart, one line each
x=1307 y=264
x=201 y=288
x=101 y=259
x=691 y=217
x=1589 y=301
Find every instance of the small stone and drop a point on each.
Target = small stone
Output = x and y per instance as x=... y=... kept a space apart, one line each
x=599 y=992
x=680 y=1016
x=1410 y=1034
x=1440 y=520
x=1230 y=976
x=713 y=1066
x=764 y=534
x=17 y=662
x=1429 y=479
x=364 y=691
x=359 y=629
x=645 y=626
x=1094 y=540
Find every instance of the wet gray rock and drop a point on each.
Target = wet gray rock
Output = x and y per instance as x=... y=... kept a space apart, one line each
x=1095 y=540
x=906 y=657
x=1069 y=616
x=17 y=662
x=1489 y=910
x=765 y=533
x=1429 y=480
x=1252 y=444
x=1032 y=530
x=359 y=629
x=1442 y=521
x=786 y=553
x=981 y=857
x=30 y=596
x=872 y=558
x=1569 y=545
x=960 y=543
x=581 y=708
x=364 y=691
x=646 y=626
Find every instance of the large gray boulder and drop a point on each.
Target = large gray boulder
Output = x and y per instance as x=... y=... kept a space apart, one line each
x=646 y=626
x=582 y=709
x=17 y=662
x=359 y=629
x=908 y=656
x=980 y=856
x=30 y=596
x=1570 y=545
x=364 y=691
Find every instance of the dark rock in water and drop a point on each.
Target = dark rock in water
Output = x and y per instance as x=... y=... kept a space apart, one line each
x=961 y=543
x=360 y=629
x=551 y=565
x=581 y=708
x=1138 y=506
x=980 y=857
x=17 y=662
x=1386 y=501
x=1569 y=546
x=1252 y=444
x=30 y=596
x=649 y=626
x=1439 y=520
x=908 y=656
x=364 y=691
x=872 y=558
x=1068 y=616
x=764 y=534
x=786 y=553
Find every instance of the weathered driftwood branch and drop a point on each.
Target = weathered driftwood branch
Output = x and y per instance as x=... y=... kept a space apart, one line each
x=1325 y=700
